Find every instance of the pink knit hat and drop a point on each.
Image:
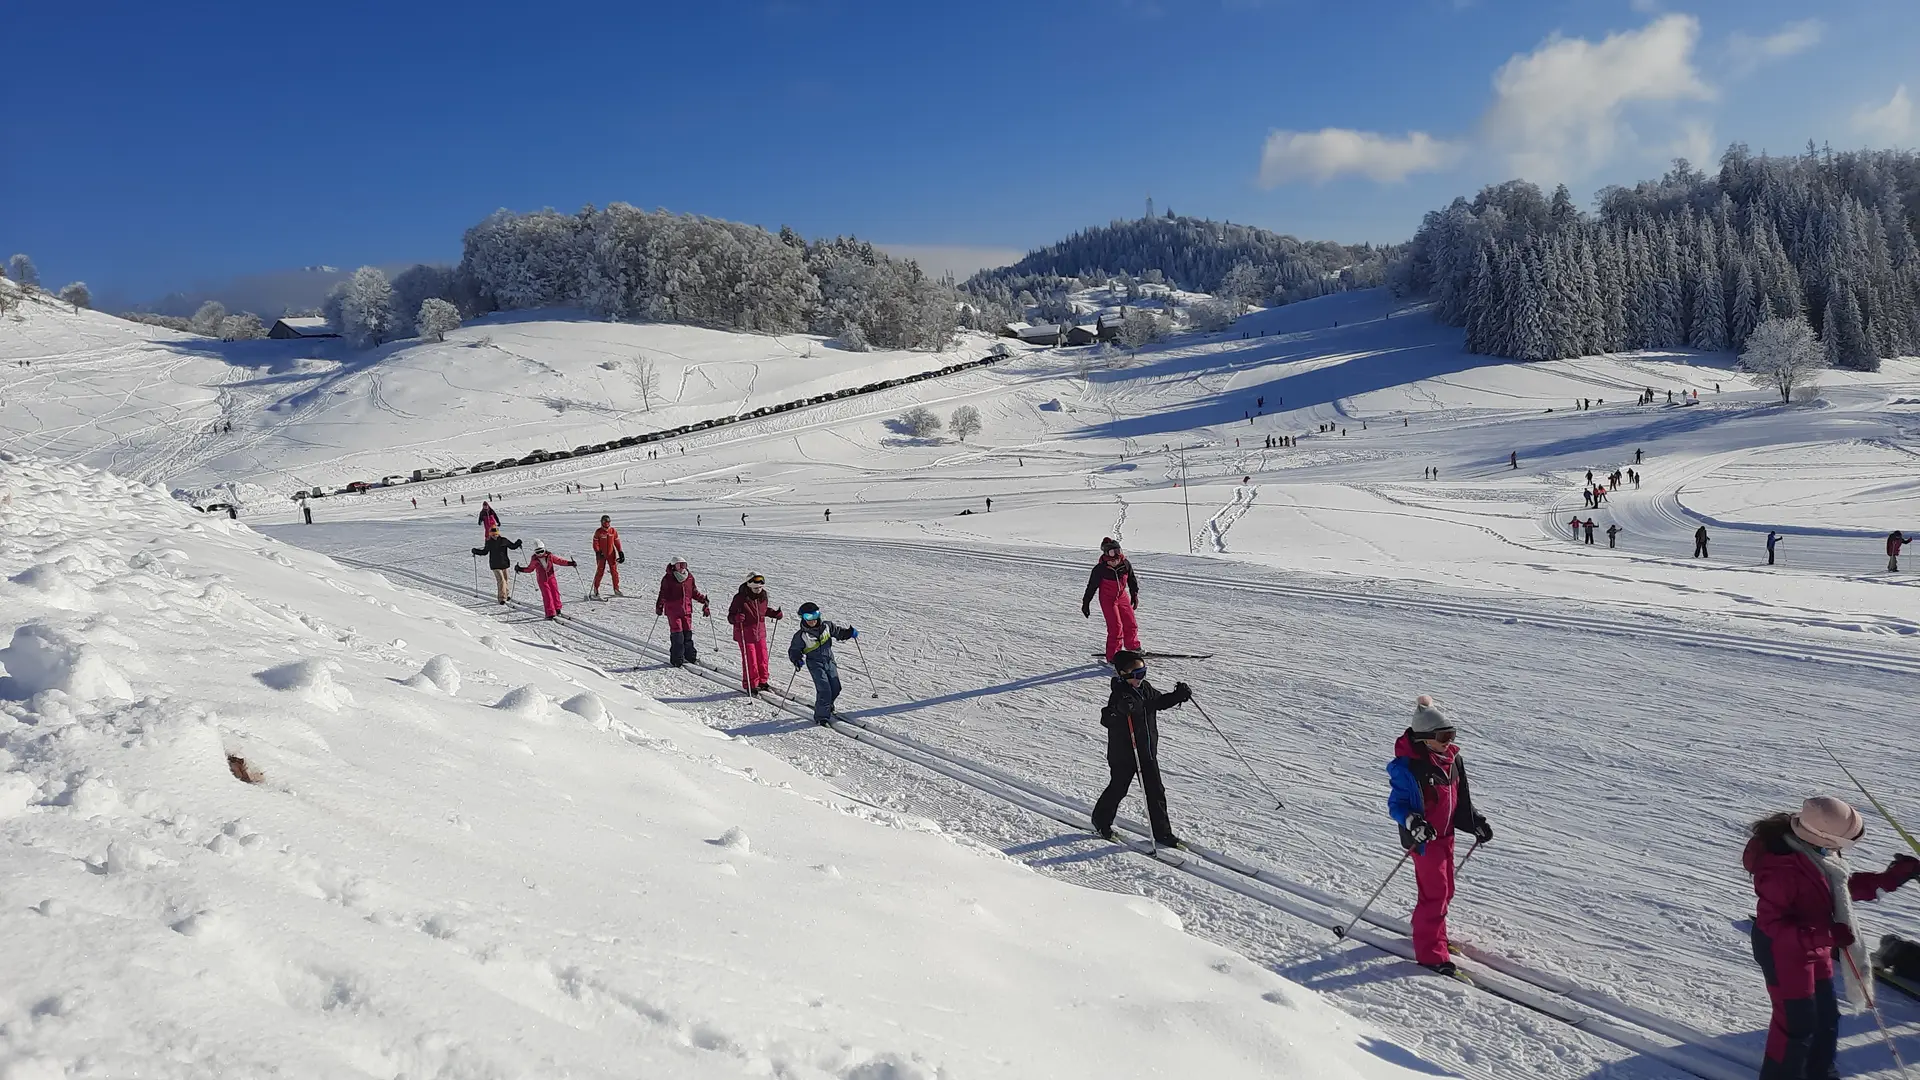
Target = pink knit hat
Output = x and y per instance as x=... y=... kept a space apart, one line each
x=1827 y=822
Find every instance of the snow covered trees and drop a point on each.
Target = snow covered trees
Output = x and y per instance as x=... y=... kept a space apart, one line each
x=920 y=422
x=77 y=294
x=1140 y=327
x=1785 y=353
x=436 y=317
x=1690 y=260
x=245 y=326
x=366 y=308
x=964 y=422
x=646 y=379
x=206 y=321
x=23 y=272
x=413 y=287
x=1208 y=316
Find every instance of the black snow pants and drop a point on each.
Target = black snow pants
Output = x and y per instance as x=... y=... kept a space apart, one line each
x=1122 y=739
x=680 y=648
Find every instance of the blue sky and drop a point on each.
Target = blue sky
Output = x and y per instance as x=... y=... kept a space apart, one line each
x=150 y=146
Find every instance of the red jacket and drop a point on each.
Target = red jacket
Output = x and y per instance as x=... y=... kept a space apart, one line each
x=749 y=614
x=541 y=566
x=677 y=597
x=1794 y=910
x=1895 y=541
x=606 y=542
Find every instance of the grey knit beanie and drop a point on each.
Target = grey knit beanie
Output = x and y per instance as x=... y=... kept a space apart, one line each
x=1427 y=717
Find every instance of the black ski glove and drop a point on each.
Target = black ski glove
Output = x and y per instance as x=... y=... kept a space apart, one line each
x=1906 y=866
x=1418 y=830
x=1182 y=693
x=622 y=557
x=1085 y=613
x=1482 y=832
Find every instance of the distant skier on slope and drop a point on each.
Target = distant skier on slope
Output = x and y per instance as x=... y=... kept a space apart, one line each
x=1803 y=928
x=607 y=555
x=1895 y=541
x=1613 y=531
x=1513 y=460
x=1700 y=542
x=498 y=561
x=812 y=646
x=1429 y=799
x=678 y=591
x=488 y=518
x=1589 y=526
x=1773 y=539
x=1574 y=526
x=541 y=567
x=749 y=613
x=1119 y=591
x=1131 y=717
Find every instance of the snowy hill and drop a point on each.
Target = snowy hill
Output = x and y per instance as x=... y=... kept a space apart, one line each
x=469 y=854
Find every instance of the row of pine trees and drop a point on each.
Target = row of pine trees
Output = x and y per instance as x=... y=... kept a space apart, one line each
x=1688 y=261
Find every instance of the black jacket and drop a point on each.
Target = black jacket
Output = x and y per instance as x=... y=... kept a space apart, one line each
x=1142 y=706
x=1122 y=573
x=496 y=552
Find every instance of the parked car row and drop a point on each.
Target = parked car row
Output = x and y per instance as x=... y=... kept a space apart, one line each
x=535 y=457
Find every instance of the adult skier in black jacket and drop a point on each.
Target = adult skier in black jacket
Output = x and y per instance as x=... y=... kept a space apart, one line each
x=1133 y=745
x=499 y=562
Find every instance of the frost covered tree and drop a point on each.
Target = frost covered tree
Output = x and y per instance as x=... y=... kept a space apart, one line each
x=1208 y=316
x=920 y=422
x=23 y=272
x=206 y=321
x=366 y=308
x=1140 y=327
x=964 y=422
x=77 y=294
x=413 y=287
x=245 y=326
x=436 y=317
x=1785 y=353
x=646 y=380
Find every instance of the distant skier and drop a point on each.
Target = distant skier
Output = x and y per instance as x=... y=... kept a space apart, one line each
x=743 y=519
x=678 y=592
x=1613 y=531
x=1700 y=542
x=498 y=561
x=488 y=518
x=1119 y=590
x=541 y=567
x=1429 y=799
x=1131 y=717
x=1574 y=526
x=749 y=613
x=1804 y=929
x=1773 y=539
x=607 y=555
x=1513 y=460
x=829 y=514
x=989 y=504
x=812 y=646
x=306 y=512
x=1636 y=455
x=1895 y=541
x=1589 y=526
x=1586 y=498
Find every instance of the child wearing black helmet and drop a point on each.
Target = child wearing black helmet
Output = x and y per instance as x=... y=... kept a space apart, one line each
x=812 y=647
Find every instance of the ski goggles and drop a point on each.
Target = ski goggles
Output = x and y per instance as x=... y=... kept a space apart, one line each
x=1137 y=673
x=1443 y=736
x=811 y=616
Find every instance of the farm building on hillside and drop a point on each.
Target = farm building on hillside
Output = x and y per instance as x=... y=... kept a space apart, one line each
x=1107 y=327
x=1080 y=335
x=301 y=326
x=1043 y=334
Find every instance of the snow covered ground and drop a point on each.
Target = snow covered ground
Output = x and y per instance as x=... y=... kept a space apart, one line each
x=1627 y=710
x=470 y=853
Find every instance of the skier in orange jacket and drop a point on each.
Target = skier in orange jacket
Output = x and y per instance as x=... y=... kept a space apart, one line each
x=607 y=555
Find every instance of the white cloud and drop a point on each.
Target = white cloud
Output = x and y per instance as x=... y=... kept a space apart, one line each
x=1891 y=122
x=1645 y=7
x=1322 y=155
x=1747 y=52
x=1560 y=111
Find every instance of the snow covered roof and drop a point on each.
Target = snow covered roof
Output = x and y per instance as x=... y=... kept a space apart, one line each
x=1043 y=332
x=306 y=326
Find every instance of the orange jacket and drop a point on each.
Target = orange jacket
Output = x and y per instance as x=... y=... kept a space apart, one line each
x=606 y=541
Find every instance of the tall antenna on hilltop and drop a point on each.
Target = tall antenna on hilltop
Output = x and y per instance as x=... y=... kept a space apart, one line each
x=1149 y=206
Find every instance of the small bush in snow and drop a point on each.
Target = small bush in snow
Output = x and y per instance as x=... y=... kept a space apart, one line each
x=436 y=317
x=920 y=422
x=965 y=422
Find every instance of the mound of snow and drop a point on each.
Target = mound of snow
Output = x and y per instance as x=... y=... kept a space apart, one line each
x=526 y=702
x=439 y=673
x=312 y=679
x=588 y=706
x=45 y=657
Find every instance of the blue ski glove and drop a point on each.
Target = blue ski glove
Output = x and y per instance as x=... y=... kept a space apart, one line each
x=852 y=633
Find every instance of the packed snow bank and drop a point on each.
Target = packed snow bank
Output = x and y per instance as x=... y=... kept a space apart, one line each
x=435 y=873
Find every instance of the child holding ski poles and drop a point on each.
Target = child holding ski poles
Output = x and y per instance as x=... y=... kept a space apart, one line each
x=541 y=566
x=749 y=612
x=812 y=647
x=1429 y=799
x=678 y=593
x=1803 y=928
x=1131 y=718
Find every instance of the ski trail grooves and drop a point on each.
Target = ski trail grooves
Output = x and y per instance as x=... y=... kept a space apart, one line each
x=1214 y=532
x=1590 y=1011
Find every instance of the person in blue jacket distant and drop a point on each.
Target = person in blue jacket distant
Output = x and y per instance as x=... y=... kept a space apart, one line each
x=813 y=647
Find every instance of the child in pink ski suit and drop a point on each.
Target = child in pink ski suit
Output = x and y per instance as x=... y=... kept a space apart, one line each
x=749 y=613
x=1119 y=592
x=1429 y=798
x=541 y=567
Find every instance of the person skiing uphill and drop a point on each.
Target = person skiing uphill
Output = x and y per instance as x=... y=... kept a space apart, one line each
x=678 y=591
x=812 y=647
x=488 y=518
x=749 y=613
x=541 y=567
x=1895 y=541
x=1803 y=920
x=1773 y=540
x=607 y=554
x=1429 y=798
x=1119 y=591
x=1131 y=717
x=499 y=562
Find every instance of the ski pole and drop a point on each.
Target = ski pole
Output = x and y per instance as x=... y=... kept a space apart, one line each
x=1469 y=857
x=1873 y=1005
x=869 y=667
x=1343 y=931
x=476 y=577
x=713 y=634
x=651 y=629
x=1153 y=842
x=786 y=692
x=1904 y=834
x=1277 y=803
